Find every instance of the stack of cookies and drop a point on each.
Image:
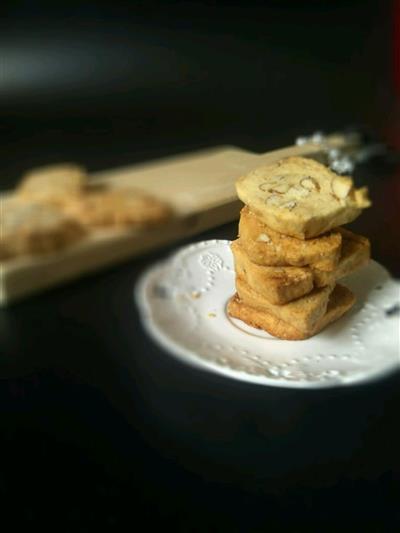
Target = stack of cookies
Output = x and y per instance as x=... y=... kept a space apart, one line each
x=292 y=250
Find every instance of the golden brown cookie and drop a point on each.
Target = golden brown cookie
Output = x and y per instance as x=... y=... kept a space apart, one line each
x=52 y=184
x=122 y=207
x=356 y=252
x=283 y=284
x=279 y=285
x=268 y=247
x=300 y=197
x=32 y=228
x=304 y=312
x=340 y=301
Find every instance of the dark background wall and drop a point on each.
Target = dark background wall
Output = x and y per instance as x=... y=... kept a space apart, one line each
x=108 y=84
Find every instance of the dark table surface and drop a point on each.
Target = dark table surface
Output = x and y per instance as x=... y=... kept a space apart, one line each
x=100 y=426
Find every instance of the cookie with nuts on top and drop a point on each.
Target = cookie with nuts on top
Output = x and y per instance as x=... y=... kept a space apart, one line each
x=300 y=197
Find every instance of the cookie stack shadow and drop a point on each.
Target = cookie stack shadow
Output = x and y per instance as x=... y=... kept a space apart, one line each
x=288 y=286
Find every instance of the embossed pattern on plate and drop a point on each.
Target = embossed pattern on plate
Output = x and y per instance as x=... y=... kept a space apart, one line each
x=183 y=301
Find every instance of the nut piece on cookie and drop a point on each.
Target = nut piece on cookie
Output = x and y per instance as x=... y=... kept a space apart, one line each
x=52 y=183
x=32 y=228
x=300 y=197
x=122 y=207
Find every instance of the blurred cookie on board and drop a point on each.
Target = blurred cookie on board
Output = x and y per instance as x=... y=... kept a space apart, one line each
x=34 y=228
x=119 y=207
x=52 y=184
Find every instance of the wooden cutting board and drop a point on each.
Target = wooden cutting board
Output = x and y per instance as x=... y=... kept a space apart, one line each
x=200 y=188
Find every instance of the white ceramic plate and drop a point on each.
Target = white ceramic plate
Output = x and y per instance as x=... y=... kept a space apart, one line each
x=182 y=303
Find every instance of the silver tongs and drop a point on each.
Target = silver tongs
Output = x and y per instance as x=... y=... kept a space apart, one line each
x=343 y=161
